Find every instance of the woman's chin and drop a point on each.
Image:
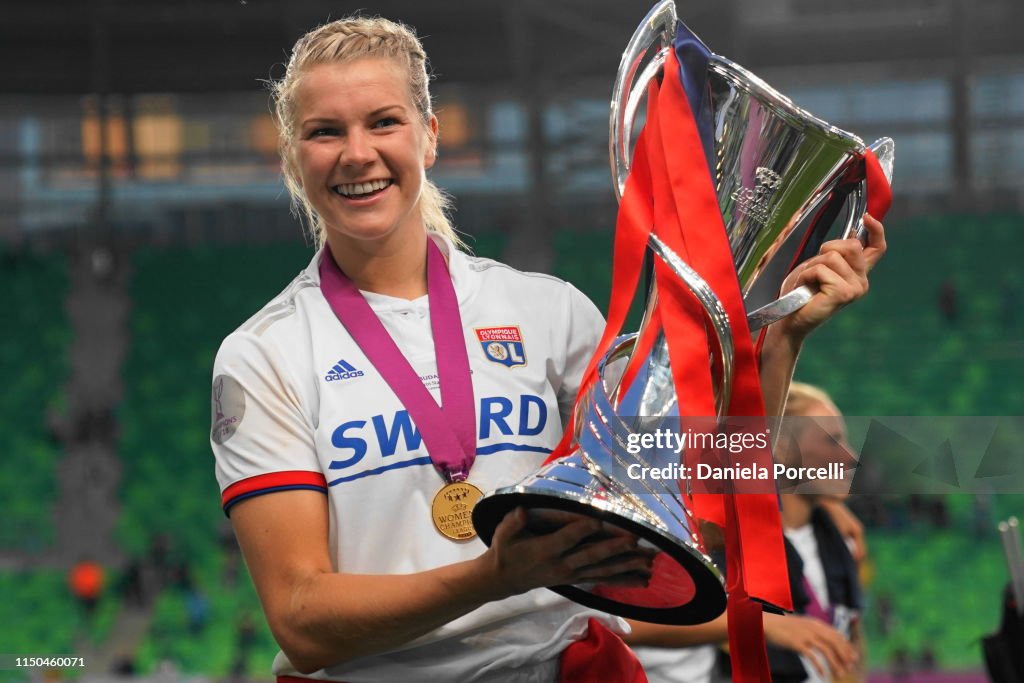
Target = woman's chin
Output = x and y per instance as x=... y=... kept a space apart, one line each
x=368 y=235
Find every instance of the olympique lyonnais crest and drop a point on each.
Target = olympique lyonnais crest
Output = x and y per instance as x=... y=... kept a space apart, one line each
x=503 y=345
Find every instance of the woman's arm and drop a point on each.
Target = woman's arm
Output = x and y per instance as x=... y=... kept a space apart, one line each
x=322 y=618
x=804 y=635
x=839 y=274
x=659 y=635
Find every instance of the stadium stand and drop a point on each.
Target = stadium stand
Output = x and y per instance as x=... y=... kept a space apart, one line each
x=891 y=354
x=186 y=302
x=895 y=353
x=34 y=367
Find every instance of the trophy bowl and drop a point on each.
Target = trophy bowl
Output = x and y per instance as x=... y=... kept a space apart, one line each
x=585 y=483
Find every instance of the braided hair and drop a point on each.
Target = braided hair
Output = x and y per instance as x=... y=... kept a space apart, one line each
x=339 y=42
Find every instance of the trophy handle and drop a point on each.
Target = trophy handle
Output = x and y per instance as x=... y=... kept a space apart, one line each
x=716 y=314
x=658 y=25
x=714 y=309
x=885 y=150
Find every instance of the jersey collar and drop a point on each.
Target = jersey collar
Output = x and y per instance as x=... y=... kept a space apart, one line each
x=458 y=267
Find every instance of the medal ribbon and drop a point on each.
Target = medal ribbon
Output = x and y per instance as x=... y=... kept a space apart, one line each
x=449 y=433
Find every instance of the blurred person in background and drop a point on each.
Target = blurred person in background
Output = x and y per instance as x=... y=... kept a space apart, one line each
x=317 y=394
x=823 y=573
x=822 y=640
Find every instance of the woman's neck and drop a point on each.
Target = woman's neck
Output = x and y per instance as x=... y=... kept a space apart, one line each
x=796 y=510
x=398 y=270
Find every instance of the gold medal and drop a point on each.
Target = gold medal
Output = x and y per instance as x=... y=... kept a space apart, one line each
x=452 y=510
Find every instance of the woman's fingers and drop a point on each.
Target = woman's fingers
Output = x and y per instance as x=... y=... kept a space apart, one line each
x=837 y=262
x=837 y=275
x=815 y=659
x=581 y=550
x=621 y=566
x=571 y=535
x=829 y=283
x=851 y=250
x=876 y=247
x=599 y=551
x=846 y=257
x=823 y=646
x=831 y=645
x=509 y=527
x=554 y=517
x=841 y=658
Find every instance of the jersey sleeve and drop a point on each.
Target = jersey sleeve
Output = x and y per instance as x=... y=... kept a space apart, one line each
x=262 y=440
x=585 y=325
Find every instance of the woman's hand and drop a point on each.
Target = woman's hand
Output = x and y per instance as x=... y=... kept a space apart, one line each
x=839 y=274
x=582 y=549
x=813 y=639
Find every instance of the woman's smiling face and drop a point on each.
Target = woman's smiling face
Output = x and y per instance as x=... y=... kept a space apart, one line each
x=362 y=149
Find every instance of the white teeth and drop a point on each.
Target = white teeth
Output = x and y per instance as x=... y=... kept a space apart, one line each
x=358 y=189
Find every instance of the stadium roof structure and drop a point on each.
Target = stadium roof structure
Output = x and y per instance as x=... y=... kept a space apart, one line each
x=135 y=46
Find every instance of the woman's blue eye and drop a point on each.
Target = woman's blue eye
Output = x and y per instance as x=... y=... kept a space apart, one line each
x=321 y=132
x=385 y=122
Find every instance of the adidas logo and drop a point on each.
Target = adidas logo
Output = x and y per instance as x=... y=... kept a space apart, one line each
x=342 y=370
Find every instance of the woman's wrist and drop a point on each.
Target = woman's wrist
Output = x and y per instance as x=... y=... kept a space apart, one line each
x=777 y=362
x=781 y=343
x=771 y=623
x=481 y=581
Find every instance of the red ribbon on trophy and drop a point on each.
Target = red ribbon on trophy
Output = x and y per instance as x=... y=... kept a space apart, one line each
x=678 y=202
x=670 y=192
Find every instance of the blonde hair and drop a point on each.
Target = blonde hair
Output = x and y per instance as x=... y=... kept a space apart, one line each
x=339 y=42
x=803 y=396
x=800 y=401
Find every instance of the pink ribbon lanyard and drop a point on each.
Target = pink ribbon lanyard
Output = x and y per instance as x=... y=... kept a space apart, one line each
x=449 y=434
x=814 y=608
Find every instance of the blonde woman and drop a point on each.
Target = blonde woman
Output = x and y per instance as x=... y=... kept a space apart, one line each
x=821 y=641
x=348 y=487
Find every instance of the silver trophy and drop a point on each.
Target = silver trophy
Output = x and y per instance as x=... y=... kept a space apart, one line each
x=783 y=177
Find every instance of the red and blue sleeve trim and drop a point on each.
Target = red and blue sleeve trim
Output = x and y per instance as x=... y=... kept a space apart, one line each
x=272 y=482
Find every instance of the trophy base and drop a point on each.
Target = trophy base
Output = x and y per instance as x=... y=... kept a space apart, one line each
x=685 y=586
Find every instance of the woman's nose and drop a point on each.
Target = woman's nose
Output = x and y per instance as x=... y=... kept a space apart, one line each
x=357 y=151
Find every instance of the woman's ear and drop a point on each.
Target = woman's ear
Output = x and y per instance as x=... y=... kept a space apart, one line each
x=430 y=155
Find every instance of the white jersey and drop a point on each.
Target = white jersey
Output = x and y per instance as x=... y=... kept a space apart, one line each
x=806 y=545
x=694 y=664
x=297 y=405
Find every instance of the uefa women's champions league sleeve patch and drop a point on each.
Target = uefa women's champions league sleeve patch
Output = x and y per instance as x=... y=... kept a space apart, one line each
x=227 y=408
x=502 y=345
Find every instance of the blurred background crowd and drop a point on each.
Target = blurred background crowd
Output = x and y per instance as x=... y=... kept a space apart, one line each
x=142 y=218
